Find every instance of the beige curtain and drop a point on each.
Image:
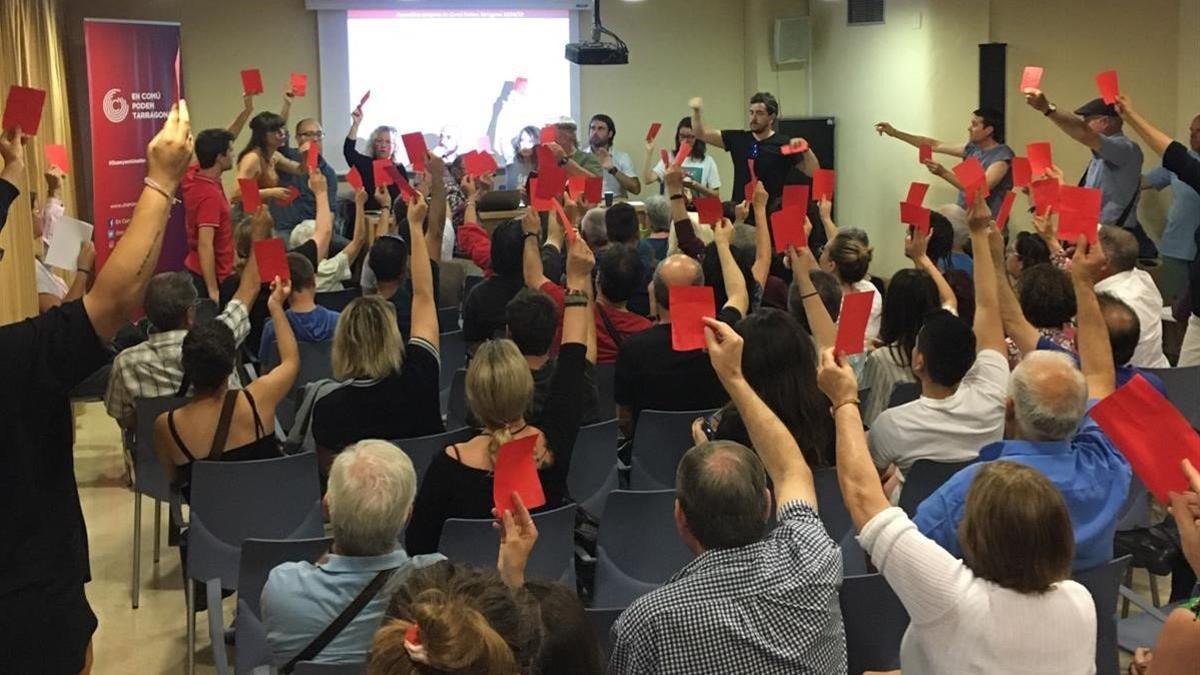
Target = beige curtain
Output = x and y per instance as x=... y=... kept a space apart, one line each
x=32 y=39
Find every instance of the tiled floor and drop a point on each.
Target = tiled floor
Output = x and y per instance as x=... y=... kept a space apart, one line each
x=152 y=638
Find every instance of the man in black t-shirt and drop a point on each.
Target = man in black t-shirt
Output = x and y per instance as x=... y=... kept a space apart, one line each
x=649 y=373
x=761 y=144
x=48 y=623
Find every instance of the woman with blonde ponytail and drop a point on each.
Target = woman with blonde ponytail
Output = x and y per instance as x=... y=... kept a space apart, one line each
x=450 y=618
x=458 y=482
x=848 y=258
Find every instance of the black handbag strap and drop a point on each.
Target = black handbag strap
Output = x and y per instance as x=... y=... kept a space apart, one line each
x=222 y=434
x=339 y=624
x=609 y=327
x=1124 y=213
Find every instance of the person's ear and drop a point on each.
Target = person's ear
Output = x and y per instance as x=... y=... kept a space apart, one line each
x=325 y=505
x=918 y=362
x=685 y=532
x=1010 y=418
x=191 y=315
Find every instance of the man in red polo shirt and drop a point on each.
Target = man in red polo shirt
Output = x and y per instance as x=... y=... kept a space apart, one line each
x=207 y=214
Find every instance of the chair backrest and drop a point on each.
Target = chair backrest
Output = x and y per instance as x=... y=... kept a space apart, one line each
x=422 y=449
x=453 y=353
x=231 y=502
x=316 y=363
x=475 y=542
x=470 y=281
x=310 y=668
x=148 y=476
x=337 y=300
x=602 y=622
x=924 y=477
x=456 y=400
x=451 y=274
x=606 y=402
x=904 y=392
x=1183 y=390
x=260 y=556
x=830 y=505
x=1104 y=582
x=659 y=441
x=638 y=547
x=875 y=622
x=448 y=318
x=1135 y=512
x=593 y=472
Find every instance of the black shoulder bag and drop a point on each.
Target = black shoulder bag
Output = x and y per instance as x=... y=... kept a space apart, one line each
x=339 y=624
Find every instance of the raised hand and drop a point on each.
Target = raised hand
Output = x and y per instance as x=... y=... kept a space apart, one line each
x=12 y=147
x=87 y=255
x=1037 y=100
x=262 y=225
x=356 y=115
x=836 y=378
x=580 y=261
x=417 y=209
x=468 y=187
x=383 y=196
x=1087 y=264
x=935 y=167
x=760 y=195
x=518 y=534
x=673 y=178
x=724 y=348
x=170 y=151
x=1124 y=107
x=979 y=216
x=695 y=103
x=280 y=290
x=915 y=244
x=885 y=128
x=723 y=232
x=802 y=260
x=360 y=197
x=740 y=210
x=530 y=222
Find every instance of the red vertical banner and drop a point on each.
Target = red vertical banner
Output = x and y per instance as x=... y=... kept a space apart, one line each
x=134 y=77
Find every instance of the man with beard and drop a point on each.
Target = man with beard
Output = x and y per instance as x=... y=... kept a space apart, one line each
x=700 y=169
x=619 y=176
x=761 y=144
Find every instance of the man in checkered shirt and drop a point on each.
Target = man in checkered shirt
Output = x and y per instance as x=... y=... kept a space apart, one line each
x=155 y=367
x=751 y=601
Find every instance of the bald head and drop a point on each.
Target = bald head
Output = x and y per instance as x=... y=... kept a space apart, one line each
x=1049 y=396
x=595 y=232
x=675 y=270
x=721 y=489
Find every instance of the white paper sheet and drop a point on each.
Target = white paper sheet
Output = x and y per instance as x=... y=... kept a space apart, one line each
x=64 y=249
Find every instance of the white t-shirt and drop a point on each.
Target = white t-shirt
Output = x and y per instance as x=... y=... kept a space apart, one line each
x=1136 y=288
x=873 y=322
x=882 y=371
x=48 y=282
x=332 y=272
x=624 y=164
x=703 y=172
x=951 y=429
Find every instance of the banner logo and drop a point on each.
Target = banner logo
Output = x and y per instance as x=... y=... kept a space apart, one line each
x=116 y=108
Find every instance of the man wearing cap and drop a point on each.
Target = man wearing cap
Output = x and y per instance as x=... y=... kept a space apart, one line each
x=760 y=144
x=619 y=176
x=566 y=148
x=1116 y=166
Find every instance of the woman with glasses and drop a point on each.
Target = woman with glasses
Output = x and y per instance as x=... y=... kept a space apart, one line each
x=700 y=170
x=380 y=146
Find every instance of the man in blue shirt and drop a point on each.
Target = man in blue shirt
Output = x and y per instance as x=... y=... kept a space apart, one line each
x=305 y=206
x=310 y=321
x=1178 y=242
x=1048 y=429
x=1116 y=166
x=369 y=500
x=985 y=142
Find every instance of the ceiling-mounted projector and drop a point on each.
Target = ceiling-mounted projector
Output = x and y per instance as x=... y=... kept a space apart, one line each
x=598 y=51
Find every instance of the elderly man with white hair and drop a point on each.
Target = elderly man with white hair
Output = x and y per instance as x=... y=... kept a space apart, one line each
x=1047 y=427
x=332 y=271
x=369 y=501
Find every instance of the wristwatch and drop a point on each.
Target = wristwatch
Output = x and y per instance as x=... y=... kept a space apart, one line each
x=1050 y=107
x=563 y=161
x=574 y=298
x=612 y=170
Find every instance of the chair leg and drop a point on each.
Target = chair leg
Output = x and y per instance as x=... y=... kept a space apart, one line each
x=1153 y=588
x=157 y=528
x=190 y=604
x=136 y=581
x=1128 y=583
x=216 y=625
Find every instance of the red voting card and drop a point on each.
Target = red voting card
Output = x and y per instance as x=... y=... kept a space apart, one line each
x=1152 y=435
x=1039 y=157
x=567 y=225
x=406 y=190
x=516 y=471
x=576 y=186
x=293 y=194
x=916 y=193
x=787 y=228
x=23 y=109
x=689 y=306
x=593 y=190
x=1005 y=210
x=354 y=178
x=251 y=199
x=685 y=149
x=1106 y=82
x=551 y=176
x=789 y=149
x=272 y=260
x=252 y=81
x=414 y=145
x=1031 y=77
x=1022 y=172
x=1078 y=212
x=479 y=163
x=666 y=158
x=382 y=177
x=519 y=85
x=750 y=165
x=653 y=132
x=749 y=189
x=709 y=210
x=549 y=133
x=970 y=173
x=852 y=322
x=915 y=215
x=56 y=155
x=362 y=101
x=314 y=152
x=1044 y=193
x=299 y=84
x=539 y=204
x=795 y=196
x=823 y=181
x=924 y=153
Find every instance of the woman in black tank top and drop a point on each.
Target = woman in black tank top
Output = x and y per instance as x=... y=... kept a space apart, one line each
x=220 y=424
